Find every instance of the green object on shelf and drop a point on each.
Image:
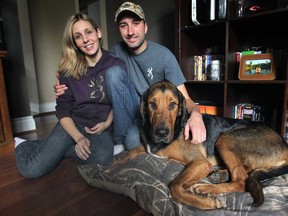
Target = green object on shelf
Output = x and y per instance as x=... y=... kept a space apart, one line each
x=249 y=52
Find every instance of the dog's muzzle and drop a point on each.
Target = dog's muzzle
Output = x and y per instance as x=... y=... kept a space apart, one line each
x=162 y=134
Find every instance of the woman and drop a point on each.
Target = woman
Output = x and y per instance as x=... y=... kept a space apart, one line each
x=84 y=111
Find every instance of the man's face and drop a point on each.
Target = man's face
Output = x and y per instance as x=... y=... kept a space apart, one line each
x=133 y=32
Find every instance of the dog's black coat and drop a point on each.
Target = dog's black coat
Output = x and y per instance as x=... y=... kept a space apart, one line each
x=215 y=125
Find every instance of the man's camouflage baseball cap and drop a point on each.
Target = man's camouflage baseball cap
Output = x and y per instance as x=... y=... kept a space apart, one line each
x=129 y=6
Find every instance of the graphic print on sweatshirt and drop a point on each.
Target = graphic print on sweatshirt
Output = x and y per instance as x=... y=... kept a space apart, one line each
x=97 y=88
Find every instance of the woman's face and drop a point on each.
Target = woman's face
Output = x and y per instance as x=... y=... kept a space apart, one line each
x=87 y=39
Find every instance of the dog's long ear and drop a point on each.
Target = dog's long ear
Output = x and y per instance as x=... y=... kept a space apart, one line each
x=182 y=113
x=143 y=108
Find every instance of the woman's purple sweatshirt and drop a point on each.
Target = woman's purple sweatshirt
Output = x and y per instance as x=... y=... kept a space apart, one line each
x=85 y=100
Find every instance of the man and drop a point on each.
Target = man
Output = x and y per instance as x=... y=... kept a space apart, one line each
x=147 y=63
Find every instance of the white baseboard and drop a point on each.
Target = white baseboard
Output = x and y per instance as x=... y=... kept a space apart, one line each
x=42 y=108
x=23 y=124
x=47 y=107
x=27 y=123
x=34 y=107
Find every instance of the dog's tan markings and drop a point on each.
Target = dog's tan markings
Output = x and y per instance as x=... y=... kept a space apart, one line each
x=163 y=107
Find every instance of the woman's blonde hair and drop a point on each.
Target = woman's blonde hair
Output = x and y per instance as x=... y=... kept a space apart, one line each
x=73 y=62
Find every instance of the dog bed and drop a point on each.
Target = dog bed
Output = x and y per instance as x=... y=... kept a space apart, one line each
x=145 y=179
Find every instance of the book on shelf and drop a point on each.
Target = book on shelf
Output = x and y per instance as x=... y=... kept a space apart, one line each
x=249 y=112
x=203 y=67
x=252 y=51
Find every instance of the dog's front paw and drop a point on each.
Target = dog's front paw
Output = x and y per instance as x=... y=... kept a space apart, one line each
x=125 y=156
x=209 y=201
x=218 y=201
x=204 y=189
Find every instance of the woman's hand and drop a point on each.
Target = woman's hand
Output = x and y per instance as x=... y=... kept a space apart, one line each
x=82 y=148
x=97 y=129
x=102 y=126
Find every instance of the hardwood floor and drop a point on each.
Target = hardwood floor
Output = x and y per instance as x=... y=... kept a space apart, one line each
x=62 y=192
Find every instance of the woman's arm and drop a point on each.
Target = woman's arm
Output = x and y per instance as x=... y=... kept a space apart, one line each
x=102 y=126
x=82 y=147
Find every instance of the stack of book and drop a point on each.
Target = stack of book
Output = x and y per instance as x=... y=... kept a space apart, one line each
x=248 y=112
x=203 y=67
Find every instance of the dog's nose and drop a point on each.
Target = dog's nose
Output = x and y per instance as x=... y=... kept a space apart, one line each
x=162 y=132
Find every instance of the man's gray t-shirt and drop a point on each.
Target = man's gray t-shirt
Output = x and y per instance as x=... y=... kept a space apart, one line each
x=155 y=64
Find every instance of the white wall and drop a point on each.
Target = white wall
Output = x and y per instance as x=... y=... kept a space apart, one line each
x=29 y=63
x=48 y=19
x=41 y=26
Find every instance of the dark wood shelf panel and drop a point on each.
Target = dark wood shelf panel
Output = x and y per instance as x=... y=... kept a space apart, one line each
x=6 y=136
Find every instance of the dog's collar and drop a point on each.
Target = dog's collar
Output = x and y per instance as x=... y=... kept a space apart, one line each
x=148 y=149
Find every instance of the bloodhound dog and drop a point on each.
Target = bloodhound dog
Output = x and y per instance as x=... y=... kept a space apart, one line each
x=249 y=151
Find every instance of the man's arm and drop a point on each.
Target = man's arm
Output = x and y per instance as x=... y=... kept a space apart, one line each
x=195 y=122
x=58 y=88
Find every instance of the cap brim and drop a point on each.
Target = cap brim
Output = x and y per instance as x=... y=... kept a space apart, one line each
x=127 y=10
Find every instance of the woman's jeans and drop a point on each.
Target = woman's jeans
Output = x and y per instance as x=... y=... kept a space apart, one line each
x=37 y=158
x=125 y=103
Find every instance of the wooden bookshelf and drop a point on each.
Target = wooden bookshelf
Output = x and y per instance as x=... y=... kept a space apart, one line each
x=229 y=36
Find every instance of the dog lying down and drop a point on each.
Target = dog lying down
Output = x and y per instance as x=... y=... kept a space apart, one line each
x=250 y=151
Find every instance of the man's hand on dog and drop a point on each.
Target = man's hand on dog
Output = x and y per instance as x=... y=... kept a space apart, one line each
x=196 y=125
x=58 y=88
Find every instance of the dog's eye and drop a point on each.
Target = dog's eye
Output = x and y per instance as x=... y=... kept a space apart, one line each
x=172 y=105
x=152 y=105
